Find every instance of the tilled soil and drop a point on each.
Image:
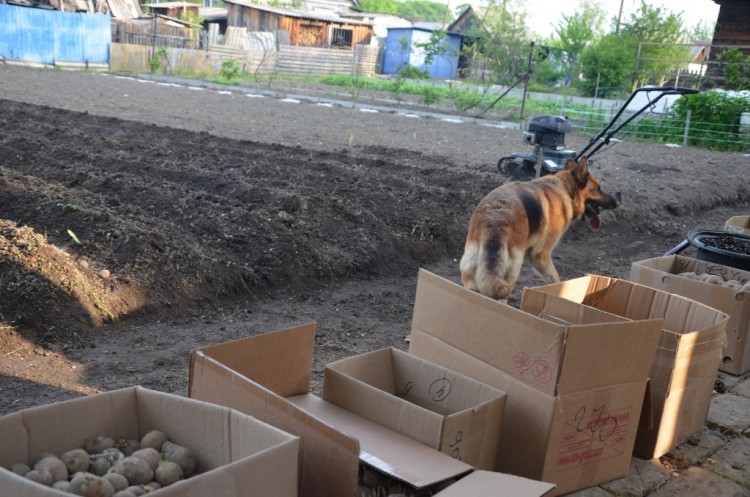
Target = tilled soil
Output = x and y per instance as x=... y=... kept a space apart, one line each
x=141 y=220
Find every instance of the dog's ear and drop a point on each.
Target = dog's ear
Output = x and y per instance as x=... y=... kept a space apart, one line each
x=580 y=170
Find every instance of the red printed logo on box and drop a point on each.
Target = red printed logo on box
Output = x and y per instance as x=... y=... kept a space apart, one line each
x=592 y=435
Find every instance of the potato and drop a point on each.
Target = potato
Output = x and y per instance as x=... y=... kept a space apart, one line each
x=136 y=490
x=151 y=486
x=54 y=465
x=150 y=455
x=101 y=465
x=734 y=284
x=20 y=469
x=76 y=460
x=167 y=473
x=62 y=485
x=96 y=445
x=89 y=485
x=135 y=469
x=118 y=481
x=42 y=476
x=127 y=445
x=153 y=439
x=181 y=455
x=125 y=493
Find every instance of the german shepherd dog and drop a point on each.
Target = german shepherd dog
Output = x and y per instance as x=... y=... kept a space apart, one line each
x=526 y=219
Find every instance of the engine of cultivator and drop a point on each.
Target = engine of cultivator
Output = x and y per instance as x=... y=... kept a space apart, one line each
x=547 y=135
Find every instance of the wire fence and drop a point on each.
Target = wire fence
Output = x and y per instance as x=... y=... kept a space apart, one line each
x=665 y=129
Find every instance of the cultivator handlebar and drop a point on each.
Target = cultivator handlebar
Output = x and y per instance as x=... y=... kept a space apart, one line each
x=605 y=135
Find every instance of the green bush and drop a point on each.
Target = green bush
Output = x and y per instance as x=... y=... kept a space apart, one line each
x=718 y=114
x=411 y=72
x=230 y=70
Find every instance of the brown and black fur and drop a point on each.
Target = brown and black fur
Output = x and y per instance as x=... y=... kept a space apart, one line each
x=526 y=219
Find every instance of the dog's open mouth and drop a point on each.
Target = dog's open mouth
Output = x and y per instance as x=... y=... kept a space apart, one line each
x=592 y=215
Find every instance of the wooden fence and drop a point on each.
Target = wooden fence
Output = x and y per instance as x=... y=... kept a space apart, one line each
x=287 y=61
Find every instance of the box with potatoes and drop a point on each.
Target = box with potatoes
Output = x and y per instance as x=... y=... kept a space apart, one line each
x=136 y=441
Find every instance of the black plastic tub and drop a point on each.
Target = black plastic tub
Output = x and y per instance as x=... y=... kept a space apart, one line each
x=704 y=242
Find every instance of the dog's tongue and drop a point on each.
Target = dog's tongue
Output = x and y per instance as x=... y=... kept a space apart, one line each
x=595 y=222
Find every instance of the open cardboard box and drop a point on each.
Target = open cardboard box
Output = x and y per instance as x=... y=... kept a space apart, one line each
x=738 y=224
x=268 y=376
x=663 y=273
x=575 y=376
x=445 y=410
x=687 y=359
x=237 y=454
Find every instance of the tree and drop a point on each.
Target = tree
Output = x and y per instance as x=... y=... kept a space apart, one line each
x=662 y=30
x=607 y=65
x=502 y=44
x=413 y=10
x=379 y=6
x=575 y=32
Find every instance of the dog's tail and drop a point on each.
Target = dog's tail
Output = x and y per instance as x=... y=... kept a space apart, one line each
x=476 y=277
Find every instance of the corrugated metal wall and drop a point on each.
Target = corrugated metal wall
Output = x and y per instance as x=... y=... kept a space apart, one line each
x=53 y=37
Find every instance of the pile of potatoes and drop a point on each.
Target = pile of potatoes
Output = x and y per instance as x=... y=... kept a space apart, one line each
x=717 y=280
x=108 y=467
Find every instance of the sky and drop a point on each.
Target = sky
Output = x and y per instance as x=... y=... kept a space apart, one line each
x=543 y=15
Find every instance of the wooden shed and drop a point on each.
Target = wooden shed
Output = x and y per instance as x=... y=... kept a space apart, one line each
x=303 y=28
x=732 y=31
x=733 y=24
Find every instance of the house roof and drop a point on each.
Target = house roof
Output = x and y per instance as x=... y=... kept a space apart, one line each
x=125 y=9
x=313 y=16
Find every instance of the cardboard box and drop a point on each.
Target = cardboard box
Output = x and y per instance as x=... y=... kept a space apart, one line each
x=575 y=376
x=268 y=376
x=237 y=455
x=488 y=483
x=684 y=370
x=445 y=410
x=738 y=224
x=662 y=273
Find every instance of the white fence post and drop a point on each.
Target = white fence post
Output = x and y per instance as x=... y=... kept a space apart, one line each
x=687 y=128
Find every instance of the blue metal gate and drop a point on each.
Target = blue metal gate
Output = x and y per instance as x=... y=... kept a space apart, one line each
x=53 y=37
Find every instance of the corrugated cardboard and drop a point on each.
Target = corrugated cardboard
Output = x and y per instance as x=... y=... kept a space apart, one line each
x=662 y=273
x=445 y=410
x=738 y=224
x=687 y=359
x=481 y=483
x=237 y=454
x=268 y=376
x=575 y=376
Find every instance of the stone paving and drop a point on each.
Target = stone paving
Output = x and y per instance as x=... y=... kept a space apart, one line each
x=713 y=463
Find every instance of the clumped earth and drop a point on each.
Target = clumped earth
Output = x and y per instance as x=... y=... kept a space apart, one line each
x=140 y=220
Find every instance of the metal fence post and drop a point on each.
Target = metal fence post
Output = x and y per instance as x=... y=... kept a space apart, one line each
x=687 y=128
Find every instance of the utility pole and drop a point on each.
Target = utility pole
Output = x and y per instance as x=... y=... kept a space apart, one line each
x=527 y=77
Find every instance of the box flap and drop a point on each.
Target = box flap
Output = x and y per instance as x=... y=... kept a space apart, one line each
x=281 y=361
x=590 y=365
x=329 y=459
x=490 y=484
x=389 y=452
x=467 y=321
x=526 y=406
